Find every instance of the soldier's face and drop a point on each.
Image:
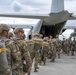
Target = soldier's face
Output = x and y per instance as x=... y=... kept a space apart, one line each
x=6 y=34
x=20 y=34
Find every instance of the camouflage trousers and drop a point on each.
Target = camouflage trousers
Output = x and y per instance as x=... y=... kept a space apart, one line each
x=44 y=55
x=17 y=72
x=6 y=72
x=68 y=51
x=58 y=52
x=35 y=54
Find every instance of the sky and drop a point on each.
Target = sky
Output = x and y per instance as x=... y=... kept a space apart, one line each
x=33 y=6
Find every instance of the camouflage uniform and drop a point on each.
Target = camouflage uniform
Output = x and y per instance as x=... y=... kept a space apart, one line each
x=45 y=49
x=40 y=51
x=4 y=38
x=58 y=46
x=53 y=50
x=35 y=54
x=64 y=46
x=50 y=51
x=19 y=52
x=73 y=47
x=68 y=41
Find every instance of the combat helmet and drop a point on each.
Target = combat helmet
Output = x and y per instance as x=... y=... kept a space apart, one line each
x=36 y=34
x=41 y=35
x=4 y=27
x=45 y=38
x=16 y=30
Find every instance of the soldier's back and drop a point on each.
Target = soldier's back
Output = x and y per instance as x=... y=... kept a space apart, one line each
x=18 y=52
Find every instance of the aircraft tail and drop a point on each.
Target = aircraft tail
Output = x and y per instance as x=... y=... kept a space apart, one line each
x=57 y=5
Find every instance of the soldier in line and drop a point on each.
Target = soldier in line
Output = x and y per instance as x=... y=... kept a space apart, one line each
x=19 y=52
x=35 y=54
x=45 y=48
x=53 y=50
x=73 y=47
x=40 y=51
x=52 y=43
x=58 y=45
x=25 y=65
x=49 y=51
x=4 y=51
x=64 y=47
x=69 y=49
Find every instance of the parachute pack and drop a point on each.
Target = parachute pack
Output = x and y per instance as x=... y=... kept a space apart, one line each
x=30 y=45
x=3 y=56
x=45 y=46
x=37 y=44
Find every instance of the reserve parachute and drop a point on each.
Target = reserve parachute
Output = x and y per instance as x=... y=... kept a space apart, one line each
x=3 y=56
x=45 y=46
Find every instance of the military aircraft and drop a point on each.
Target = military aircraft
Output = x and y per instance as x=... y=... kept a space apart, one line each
x=73 y=34
x=49 y=24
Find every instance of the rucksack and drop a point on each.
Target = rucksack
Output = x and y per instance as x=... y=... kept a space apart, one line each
x=3 y=56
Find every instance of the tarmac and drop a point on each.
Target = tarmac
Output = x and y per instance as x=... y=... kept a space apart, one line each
x=66 y=65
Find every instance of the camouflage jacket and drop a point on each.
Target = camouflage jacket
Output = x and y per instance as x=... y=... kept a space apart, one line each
x=18 y=52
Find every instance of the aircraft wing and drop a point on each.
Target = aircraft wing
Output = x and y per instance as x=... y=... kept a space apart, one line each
x=19 y=15
x=72 y=18
x=35 y=16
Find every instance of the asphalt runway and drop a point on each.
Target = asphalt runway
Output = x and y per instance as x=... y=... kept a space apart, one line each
x=66 y=65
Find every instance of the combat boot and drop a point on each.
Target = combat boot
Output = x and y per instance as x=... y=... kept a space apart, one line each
x=72 y=53
x=35 y=70
x=52 y=60
x=58 y=55
x=44 y=63
x=28 y=74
